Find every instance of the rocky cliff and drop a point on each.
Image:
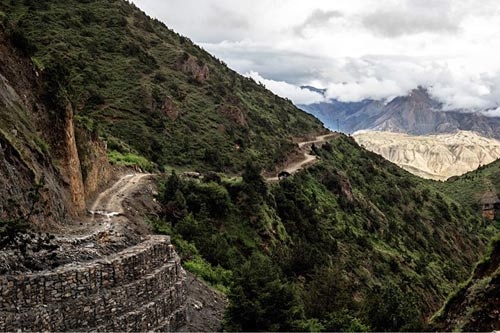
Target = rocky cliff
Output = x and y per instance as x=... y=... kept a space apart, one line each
x=25 y=159
x=432 y=156
x=39 y=146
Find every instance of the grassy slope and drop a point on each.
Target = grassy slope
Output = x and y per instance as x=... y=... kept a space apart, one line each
x=396 y=228
x=470 y=187
x=136 y=81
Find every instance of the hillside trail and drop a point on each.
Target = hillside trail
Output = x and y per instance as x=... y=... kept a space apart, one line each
x=107 y=214
x=307 y=158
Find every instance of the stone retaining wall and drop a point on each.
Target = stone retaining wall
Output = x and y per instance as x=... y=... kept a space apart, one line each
x=140 y=288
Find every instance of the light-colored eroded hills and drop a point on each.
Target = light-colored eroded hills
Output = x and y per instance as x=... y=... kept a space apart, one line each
x=437 y=156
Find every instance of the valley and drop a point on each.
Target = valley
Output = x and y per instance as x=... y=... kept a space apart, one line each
x=147 y=186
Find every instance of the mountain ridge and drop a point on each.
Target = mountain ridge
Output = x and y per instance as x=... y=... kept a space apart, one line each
x=416 y=113
x=151 y=92
x=350 y=243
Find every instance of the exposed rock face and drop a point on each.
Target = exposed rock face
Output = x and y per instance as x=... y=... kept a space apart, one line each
x=139 y=289
x=170 y=109
x=70 y=163
x=95 y=167
x=234 y=114
x=195 y=67
x=25 y=154
x=38 y=144
x=432 y=156
x=417 y=113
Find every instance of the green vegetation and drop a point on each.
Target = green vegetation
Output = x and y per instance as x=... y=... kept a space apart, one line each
x=473 y=305
x=352 y=243
x=470 y=187
x=129 y=159
x=151 y=89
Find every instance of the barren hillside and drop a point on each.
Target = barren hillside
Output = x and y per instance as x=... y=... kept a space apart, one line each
x=432 y=156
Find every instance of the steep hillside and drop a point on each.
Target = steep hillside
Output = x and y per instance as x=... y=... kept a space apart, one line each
x=470 y=187
x=432 y=156
x=417 y=113
x=475 y=306
x=40 y=162
x=151 y=92
x=384 y=242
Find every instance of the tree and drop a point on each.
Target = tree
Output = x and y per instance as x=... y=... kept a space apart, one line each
x=252 y=178
x=260 y=300
x=171 y=186
x=388 y=309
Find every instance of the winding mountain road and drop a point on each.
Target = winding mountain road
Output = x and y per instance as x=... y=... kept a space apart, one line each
x=307 y=159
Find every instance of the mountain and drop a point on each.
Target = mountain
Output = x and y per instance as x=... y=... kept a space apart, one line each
x=437 y=156
x=417 y=114
x=351 y=242
x=353 y=225
x=40 y=162
x=152 y=93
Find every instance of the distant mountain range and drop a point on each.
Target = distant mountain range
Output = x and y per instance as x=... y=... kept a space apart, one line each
x=417 y=113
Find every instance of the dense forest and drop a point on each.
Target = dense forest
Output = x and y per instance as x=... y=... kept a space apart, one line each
x=352 y=243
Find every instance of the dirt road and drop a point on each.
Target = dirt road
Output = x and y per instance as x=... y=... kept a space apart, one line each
x=307 y=158
x=109 y=202
x=107 y=226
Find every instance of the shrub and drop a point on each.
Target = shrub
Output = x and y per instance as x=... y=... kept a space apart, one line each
x=130 y=159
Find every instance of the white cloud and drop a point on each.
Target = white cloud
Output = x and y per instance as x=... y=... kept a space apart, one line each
x=283 y=89
x=367 y=88
x=358 y=49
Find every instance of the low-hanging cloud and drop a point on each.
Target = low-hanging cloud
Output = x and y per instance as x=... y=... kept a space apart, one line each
x=296 y=94
x=383 y=78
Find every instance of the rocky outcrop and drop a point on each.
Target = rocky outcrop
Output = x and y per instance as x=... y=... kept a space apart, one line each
x=25 y=159
x=94 y=163
x=195 y=67
x=70 y=162
x=139 y=289
x=42 y=145
x=170 y=109
x=433 y=156
x=234 y=114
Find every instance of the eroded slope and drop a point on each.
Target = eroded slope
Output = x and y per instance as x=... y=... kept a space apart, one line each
x=437 y=156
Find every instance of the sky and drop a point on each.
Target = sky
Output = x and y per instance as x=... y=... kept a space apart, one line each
x=355 y=49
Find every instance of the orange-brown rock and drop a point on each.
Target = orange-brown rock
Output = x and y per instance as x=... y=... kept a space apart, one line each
x=170 y=109
x=195 y=67
x=234 y=114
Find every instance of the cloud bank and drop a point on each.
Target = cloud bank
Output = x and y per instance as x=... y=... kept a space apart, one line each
x=355 y=49
x=283 y=89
